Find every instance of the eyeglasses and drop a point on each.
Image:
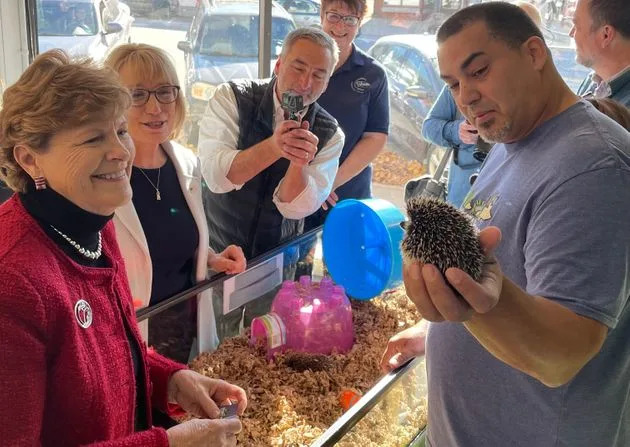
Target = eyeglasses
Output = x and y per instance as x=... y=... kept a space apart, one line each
x=333 y=17
x=166 y=94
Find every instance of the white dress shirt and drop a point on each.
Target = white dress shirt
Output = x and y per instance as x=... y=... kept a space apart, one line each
x=602 y=87
x=218 y=139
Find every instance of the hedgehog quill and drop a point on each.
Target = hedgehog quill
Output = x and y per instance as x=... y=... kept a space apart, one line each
x=437 y=233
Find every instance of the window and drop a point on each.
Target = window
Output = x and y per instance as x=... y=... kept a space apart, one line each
x=392 y=60
x=572 y=72
x=229 y=36
x=451 y=4
x=301 y=6
x=237 y=36
x=64 y=18
x=407 y=73
x=223 y=35
x=425 y=73
x=379 y=51
x=408 y=3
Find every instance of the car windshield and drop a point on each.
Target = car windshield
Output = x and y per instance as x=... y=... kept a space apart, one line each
x=66 y=18
x=237 y=36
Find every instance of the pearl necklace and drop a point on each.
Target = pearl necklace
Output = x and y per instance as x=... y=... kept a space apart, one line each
x=90 y=254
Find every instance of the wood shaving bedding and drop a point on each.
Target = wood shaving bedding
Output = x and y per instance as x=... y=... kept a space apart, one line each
x=295 y=398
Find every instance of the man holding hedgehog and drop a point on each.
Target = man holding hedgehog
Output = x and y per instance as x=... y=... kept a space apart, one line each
x=536 y=352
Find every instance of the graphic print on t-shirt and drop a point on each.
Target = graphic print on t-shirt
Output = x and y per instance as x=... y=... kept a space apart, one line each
x=479 y=209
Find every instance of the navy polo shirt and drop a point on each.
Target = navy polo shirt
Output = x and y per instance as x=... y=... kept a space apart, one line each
x=357 y=96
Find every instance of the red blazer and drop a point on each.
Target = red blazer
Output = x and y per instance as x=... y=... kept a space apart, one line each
x=66 y=373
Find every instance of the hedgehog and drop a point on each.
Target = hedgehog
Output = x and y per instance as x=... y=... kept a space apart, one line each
x=437 y=233
x=301 y=361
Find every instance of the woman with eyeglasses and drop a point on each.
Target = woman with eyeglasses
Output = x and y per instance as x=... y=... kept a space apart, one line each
x=163 y=233
x=357 y=96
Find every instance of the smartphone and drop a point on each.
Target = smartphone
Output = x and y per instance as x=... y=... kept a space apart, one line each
x=228 y=411
x=292 y=103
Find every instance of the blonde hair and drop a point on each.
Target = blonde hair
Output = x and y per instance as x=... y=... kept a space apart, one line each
x=54 y=93
x=532 y=11
x=150 y=63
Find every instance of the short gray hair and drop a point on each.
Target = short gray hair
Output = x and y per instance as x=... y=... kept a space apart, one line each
x=316 y=36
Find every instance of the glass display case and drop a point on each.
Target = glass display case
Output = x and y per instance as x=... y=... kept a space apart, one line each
x=391 y=410
x=392 y=413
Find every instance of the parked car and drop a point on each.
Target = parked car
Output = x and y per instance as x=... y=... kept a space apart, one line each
x=171 y=8
x=404 y=17
x=222 y=44
x=185 y=7
x=414 y=84
x=377 y=27
x=304 y=12
x=83 y=27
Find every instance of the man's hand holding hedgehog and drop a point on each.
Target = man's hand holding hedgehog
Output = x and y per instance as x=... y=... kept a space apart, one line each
x=456 y=296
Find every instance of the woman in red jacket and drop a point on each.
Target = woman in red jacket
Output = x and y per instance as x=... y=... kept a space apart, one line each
x=73 y=368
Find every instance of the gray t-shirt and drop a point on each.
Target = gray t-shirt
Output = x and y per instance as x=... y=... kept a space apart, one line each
x=561 y=198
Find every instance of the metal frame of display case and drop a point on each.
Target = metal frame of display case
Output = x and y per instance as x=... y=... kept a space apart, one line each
x=357 y=412
x=219 y=278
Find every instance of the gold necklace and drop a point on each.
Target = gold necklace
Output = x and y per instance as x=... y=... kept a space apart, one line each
x=156 y=187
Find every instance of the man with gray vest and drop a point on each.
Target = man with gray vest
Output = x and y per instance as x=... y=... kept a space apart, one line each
x=266 y=172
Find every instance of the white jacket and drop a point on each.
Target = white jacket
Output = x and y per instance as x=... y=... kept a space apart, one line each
x=135 y=251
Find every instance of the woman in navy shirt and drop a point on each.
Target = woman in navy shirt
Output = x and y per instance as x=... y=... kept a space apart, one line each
x=357 y=96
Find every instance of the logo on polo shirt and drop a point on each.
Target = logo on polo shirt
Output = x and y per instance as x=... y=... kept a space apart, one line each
x=83 y=313
x=360 y=85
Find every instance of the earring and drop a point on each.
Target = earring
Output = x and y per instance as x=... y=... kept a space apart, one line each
x=40 y=183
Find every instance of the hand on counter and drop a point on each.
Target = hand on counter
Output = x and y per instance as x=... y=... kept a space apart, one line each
x=204 y=433
x=404 y=346
x=201 y=396
x=231 y=260
x=436 y=301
